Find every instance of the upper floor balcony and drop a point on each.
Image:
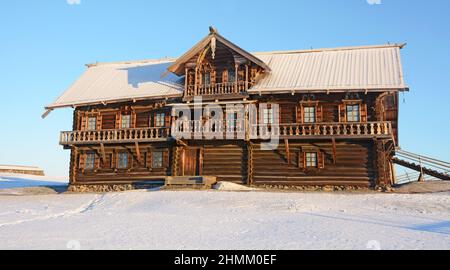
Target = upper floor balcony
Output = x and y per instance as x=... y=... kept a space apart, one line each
x=140 y=135
x=224 y=90
x=230 y=130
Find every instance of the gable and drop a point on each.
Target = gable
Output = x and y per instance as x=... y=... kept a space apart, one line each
x=216 y=46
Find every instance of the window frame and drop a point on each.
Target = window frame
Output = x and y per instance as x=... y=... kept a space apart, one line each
x=350 y=115
x=89 y=160
x=125 y=116
x=122 y=164
x=157 y=162
x=307 y=115
x=309 y=159
x=160 y=119
x=268 y=116
x=206 y=77
x=89 y=122
x=231 y=75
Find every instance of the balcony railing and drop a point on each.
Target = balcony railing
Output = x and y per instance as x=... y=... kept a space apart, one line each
x=217 y=89
x=114 y=136
x=237 y=129
x=231 y=130
x=350 y=130
x=211 y=129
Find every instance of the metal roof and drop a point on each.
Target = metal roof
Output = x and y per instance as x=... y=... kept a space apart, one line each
x=113 y=82
x=369 y=68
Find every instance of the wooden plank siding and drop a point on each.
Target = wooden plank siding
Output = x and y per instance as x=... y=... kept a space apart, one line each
x=228 y=162
x=107 y=171
x=354 y=165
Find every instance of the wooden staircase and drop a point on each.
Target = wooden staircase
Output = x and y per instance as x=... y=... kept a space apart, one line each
x=424 y=165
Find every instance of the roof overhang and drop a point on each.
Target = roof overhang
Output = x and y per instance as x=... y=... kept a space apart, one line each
x=50 y=108
x=327 y=91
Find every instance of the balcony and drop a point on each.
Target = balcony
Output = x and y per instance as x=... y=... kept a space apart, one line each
x=114 y=136
x=240 y=130
x=231 y=89
x=324 y=130
x=230 y=130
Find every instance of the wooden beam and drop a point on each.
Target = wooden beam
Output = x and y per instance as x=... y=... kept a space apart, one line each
x=102 y=151
x=183 y=161
x=138 y=153
x=334 y=151
x=182 y=143
x=250 y=163
x=46 y=113
x=288 y=152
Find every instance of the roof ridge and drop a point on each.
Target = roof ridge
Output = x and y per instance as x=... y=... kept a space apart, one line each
x=168 y=59
x=399 y=45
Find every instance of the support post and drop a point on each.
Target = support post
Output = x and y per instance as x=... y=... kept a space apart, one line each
x=102 y=152
x=236 y=78
x=249 y=163
x=288 y=152
x=138 y=153
x=334 y=151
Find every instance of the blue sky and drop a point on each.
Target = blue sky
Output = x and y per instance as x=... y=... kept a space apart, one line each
x=45 y=44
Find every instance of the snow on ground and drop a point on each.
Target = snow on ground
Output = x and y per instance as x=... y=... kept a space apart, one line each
x=225 y=220
x=228 y=186
x=9 y=181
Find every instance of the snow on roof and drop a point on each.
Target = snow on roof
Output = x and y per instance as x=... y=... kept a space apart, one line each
x=351 y=68
x=369 y=68
x=122 y=81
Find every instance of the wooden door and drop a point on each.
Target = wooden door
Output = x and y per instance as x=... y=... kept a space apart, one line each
x=191 y=162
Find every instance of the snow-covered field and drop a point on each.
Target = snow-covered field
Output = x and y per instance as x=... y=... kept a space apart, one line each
x=10 y=180
x=225 y=220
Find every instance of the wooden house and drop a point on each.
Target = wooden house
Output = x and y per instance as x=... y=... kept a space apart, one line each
x=333 y=112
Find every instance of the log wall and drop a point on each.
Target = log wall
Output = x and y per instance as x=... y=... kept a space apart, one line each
x=354 y=165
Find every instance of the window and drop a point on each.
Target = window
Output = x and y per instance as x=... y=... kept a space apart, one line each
x=206 y=78
x=90 y=161
x=232 y=121
x=123 y=161
x=231 y=75
x=311 y=160
x=126 y=121
x=160 y=120
x=309 y=114
x=268 y=116
x=92 y=123
x=353 y=113
x=157 y=159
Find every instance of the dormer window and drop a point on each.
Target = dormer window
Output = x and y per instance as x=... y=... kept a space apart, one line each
x=231 y=75
x=206 y=78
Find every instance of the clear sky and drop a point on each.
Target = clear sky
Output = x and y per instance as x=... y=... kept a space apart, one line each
x=45 y=44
